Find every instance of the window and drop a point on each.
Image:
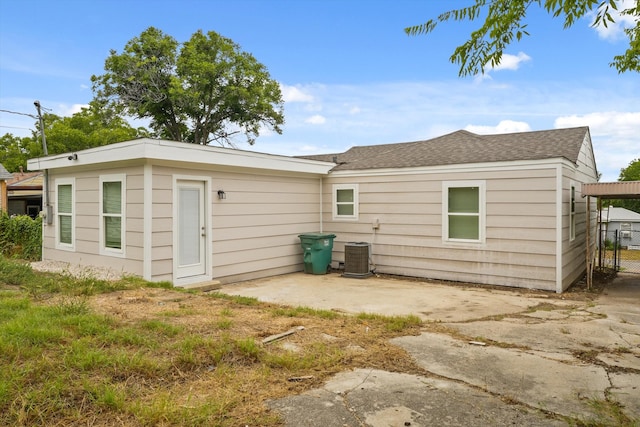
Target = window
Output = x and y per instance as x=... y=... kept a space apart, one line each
x=65 y=214
x=572 y=214
x=345 y=201
x=463 y=211
x=112 y=202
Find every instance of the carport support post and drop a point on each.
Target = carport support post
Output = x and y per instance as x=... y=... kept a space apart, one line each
x=600 y=232
x=589 y=266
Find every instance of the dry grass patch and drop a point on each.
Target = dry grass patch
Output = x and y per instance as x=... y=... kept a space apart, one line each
x=154 y=356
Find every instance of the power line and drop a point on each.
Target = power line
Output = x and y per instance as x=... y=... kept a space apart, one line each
x=33 y=116
x=14 y=127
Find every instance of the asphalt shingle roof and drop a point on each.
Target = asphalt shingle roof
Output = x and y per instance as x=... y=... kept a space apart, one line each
x=4 y=174
x=462 y=147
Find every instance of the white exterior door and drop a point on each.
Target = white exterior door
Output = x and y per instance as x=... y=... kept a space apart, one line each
x=191 y=229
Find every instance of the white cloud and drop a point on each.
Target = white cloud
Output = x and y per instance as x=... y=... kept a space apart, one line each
x=294 y=94
x=69 y=110
x=507 y=62
x=411 y=111
x=511 y=62
x=615 y=30
x=505 y=126
x=614 y=135
x=316 y=119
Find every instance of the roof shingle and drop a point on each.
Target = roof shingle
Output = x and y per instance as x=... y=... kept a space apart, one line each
x=463 y=147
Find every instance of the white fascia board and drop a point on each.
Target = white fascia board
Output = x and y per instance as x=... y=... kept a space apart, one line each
x=460 y=168
x=181 y=152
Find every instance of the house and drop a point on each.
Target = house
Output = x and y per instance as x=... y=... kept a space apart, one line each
x=4 y=177
x=622 y=224
x=490 y=209
x=25 y=193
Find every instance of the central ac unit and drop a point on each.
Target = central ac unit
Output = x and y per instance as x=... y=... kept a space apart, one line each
x=356 y=260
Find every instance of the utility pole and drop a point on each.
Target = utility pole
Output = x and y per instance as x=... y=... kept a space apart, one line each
x=48 y=212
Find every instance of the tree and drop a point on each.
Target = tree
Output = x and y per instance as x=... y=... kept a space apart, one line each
x=505 y=21
x=92 y=126
x=14 y=152
x=630 y=173
x=205 y=90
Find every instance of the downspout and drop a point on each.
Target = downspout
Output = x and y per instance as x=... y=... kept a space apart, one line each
x=321 y=223
x=559 y=217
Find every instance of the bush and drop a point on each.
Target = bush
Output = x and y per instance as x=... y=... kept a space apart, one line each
x=21 y=236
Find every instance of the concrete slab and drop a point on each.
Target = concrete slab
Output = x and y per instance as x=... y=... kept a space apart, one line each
x=571 y=354
x=595 y=335
x=381 y=399
x=555 y=386
x=429 y=301
x=626 y=390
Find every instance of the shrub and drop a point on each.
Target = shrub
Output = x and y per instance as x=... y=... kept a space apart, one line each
x=21 y=236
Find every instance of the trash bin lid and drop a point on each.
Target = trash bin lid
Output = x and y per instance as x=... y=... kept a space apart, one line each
x=317 y=236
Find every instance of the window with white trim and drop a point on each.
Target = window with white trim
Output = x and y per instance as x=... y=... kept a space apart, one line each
x=345 y=201
x=112 y=218
x=65 y=215
x=572 y=214
x=463 y=211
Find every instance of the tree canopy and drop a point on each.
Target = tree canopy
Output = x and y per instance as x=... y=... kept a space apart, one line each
x=505 y=22
x=92 y=126
x=204 y=90
x=14 y=152
x=630 y=173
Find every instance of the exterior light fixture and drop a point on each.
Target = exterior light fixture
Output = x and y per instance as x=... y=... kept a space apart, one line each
x=74 y=156
x=222 y=195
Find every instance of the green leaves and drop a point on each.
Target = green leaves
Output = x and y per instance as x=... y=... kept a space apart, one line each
x=205 y=90
x=504 y=21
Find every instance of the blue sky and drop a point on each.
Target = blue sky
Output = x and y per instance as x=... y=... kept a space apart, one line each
x=349 y=74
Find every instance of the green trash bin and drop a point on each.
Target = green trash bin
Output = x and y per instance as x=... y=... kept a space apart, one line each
x=317 y=252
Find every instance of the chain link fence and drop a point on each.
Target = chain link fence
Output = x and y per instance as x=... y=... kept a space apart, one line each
x=620 y=251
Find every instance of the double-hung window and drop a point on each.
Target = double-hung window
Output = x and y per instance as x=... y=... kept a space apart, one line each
x=345 y=201
x=463 y=211
x=112 y=203
x=65 y=215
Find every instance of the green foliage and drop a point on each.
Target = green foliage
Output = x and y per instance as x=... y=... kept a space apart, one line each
x=205 y=90
x=92 y=126
x=21 y=236
x=630 y=173
x=14 y=152
x=505 y=22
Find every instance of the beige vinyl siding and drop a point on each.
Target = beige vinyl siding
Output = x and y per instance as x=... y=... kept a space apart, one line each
x=87 y=217
x=574 y=251
x=254 y=231
x=256 y=228
x=520 y=247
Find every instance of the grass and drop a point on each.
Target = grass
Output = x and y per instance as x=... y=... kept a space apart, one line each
x=629 y=255
x=77 y=350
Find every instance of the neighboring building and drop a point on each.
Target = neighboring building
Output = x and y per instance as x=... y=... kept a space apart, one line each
x=624 y=224
x=491 y=209
x=4 y=177
x=25 y=193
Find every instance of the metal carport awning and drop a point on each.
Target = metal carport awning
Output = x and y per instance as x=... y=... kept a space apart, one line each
x=613 y=190
x=606 y=190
